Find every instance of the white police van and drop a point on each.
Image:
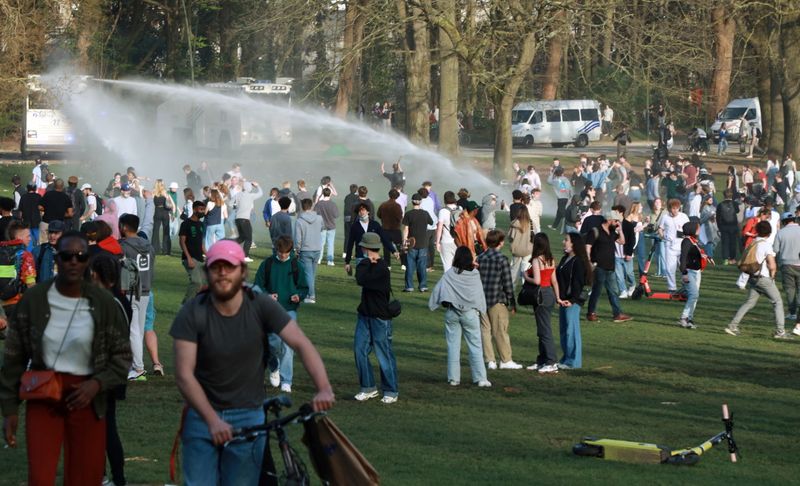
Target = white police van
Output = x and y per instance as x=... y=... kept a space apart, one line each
x=750 y=108
x=557 y=122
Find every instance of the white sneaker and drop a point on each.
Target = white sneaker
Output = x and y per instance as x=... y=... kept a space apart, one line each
x=484 y=384
x=364 y=396
x=275 y=378
x=623 y=294
x=310 y=300
x=248 y=260
x=562 y=366
x=453 y=383
x=403 y=268
x=330 y=264
x=286 y=388
x=510 y=365
x=631 y=290
x=533 y=367
x=551 y=368
x=388 y=399
x=344 y=255
x=796 y=331
x=491 y=365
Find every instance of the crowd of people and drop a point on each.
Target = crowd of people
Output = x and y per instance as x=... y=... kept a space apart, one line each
x=611 y=218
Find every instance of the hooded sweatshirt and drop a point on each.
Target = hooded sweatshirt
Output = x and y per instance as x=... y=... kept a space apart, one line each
x=142 y=253
x=462 y=291
x=488 y=208
x=308 y=232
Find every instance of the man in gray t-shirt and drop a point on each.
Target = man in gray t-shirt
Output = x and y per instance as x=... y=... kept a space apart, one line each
x=787 y=248
x=220 y=348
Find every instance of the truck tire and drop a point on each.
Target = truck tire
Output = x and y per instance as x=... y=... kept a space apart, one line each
x=582 y=140
x=528 y=141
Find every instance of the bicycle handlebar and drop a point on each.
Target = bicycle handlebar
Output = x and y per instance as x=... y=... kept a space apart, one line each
x=304 y=413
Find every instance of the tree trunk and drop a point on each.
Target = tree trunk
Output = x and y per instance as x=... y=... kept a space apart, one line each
x=418 y=72
x=790 y=43
x=724 y=32
x=775 y=135
x=89 y=23
x=354 y=19
x=503 y=145
x=448 y=85
x=552 y=74
x=608 y=36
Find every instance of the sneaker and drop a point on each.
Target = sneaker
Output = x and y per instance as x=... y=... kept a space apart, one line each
x=484 y=384
x=286 y=388
x=791 y=317
x=533 y=367
x=430 y=270
x=592 y=317
x=741 y=286
x=733 y=331
x=134 y=375
x=563 y=366
x=510 y=365
x=623 y=294
x=275 y=378
x=310 y=300
x=330 y=264
x=158 y=369
x=344 y=255
x=423 y=289
x=551 y=368
x=453 y=383
x=248 y=260
x=796 y=331
x=408 y=290
x=622 y=318
x=491 y=365
x=388 y=399
x=364 y=396
x=686 y=323
x=782 y=335
x=403 y=268
x=253 y=245
x=631 y=290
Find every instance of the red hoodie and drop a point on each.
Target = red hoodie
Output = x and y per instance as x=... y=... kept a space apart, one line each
x=111 y=245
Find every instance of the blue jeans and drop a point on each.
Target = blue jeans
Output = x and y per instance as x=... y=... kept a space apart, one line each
x=374 y=333
x=308 y=263
x=214 y=233
x=692 y=293
x=641 y=253
x=569 y=326
x=661 y=257
x=150 y=313
x=624 y=272
x=635 y=194
x=604 y=278
x=723 y=146
x=328 y=236
x=417 y=261
x=281 y=355
x=468 y=322
x=204 y=463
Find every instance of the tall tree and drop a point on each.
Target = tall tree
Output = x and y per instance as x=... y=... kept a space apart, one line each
x=724 y=33
x=417 y=56
x=448 y=81
x=354 y=20
x=790 y=50
x=555 y=53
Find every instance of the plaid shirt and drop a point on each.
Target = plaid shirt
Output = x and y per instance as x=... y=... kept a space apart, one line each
x=495 y=273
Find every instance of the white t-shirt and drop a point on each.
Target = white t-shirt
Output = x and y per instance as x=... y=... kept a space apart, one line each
x=763 y=250
x=91 y=202
x=775 y=222
x=444 y=217
x=670 y=226
x=37 y=177
x=76 y=353
x=126 y=205
x=428 y=205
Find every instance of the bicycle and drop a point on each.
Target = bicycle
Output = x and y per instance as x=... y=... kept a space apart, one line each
x=295 y=472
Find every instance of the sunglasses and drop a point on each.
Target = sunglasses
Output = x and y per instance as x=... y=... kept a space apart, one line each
x=67 y=256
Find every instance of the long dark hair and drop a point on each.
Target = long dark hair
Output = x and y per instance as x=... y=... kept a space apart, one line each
x=579 y=249
x=462 y=260
x=541 y=248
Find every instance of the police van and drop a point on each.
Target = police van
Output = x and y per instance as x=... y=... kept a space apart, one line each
x=557 y=122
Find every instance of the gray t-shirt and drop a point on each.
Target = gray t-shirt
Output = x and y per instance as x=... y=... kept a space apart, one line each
x=230 y=350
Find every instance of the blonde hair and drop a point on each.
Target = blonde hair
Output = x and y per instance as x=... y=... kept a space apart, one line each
x=216 y=197
x=159 y=189
x=636 y=210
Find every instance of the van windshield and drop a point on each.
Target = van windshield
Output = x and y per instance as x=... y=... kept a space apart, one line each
x=520 y=116
x=732 y=113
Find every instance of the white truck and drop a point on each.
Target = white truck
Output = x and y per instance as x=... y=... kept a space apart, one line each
x=45 y=128
x=731 y=116
x=557 y=122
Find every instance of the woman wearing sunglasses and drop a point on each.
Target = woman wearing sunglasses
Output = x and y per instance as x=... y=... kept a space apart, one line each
x=75 y=335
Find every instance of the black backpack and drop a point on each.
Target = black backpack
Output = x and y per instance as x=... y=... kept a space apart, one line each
x=98 y=210
x=727 y=213
x=10 y=284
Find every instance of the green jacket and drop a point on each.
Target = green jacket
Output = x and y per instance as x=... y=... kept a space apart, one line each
x=111 y=347
x=281 y=281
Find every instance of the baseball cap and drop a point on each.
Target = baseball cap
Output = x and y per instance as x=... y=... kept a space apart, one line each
x=471 y=205
x=614 y=215
x=416 y=198
x=787 y=215
x=173 y=185
x=86 y=186
x=56 y=226
x=227 y=251
x=125 y=187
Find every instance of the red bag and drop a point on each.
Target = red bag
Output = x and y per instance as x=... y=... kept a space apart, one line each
x=42 y=385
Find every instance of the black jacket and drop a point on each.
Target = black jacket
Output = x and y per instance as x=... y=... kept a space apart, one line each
x=571 y=276
x=357 y=231
x=690 y=256
x=375 y=282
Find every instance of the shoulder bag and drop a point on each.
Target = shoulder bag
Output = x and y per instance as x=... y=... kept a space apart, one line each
x=394 y=306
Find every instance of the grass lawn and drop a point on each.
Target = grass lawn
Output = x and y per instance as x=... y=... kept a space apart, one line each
x=645 y=380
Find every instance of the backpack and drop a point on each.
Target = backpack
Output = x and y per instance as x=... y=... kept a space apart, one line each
x=268 y=270
x=98 y=209
x=455 y=215
x=727 y=213
x=78 y=202
x=758 y=132
x=131 y=273
x=480 y=215
x=10 y=261
x=45 y=170
x=749 y=263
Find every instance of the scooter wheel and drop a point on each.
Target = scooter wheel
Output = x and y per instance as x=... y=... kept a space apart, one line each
x=587 y=450
x=683 y=460
x=637 y=293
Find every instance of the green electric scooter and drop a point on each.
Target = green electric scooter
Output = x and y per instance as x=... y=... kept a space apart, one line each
x=638 y=452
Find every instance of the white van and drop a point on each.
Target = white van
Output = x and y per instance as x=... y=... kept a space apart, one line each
x=749 y=107
x=557 y=122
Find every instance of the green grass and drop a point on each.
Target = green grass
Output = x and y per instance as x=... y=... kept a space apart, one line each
x=646 y=380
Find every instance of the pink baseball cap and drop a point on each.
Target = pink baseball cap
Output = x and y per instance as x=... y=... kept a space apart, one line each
x=225 y=250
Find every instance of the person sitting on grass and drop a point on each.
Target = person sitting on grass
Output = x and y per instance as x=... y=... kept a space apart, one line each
x=460 y=292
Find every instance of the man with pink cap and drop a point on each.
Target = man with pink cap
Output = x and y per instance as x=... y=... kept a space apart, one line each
x=226 y=324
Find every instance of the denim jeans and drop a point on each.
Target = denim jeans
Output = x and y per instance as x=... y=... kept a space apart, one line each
x=237 y=464
x=375 y=334
x=214 y=233
x=635 y=194
x=417 y=259
x=604 y=279
x=328 y=237
x=761 y=286
x=641 y=253
x=467 y=322
x=723 y=146
x=791 y=285
x=569 y=326
x=544 y=329
x=692 y=293
x=661 y=258
x=281 y=355
x=624 y=273
x=308 y=263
